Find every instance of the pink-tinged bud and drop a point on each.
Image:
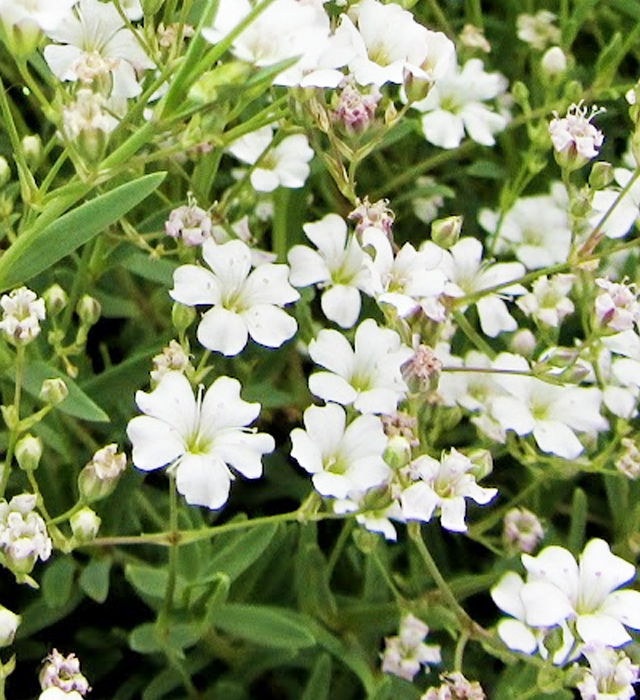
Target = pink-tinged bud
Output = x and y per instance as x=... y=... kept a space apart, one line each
x=522 y=530
x=575 y=139
x=355 y=111
x=190 y=223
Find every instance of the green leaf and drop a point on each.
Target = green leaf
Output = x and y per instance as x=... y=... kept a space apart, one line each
x=243 y=550
x=94 y=580
x=76 y=404
x=266 y=626
x=152 y=582
x=319 y=684
x=57 y=581
x=147 y=638
x=39 y=248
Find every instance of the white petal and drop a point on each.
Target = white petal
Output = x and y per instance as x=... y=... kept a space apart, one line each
x=333 y=351
x=223 y=331
x=625 y=607
x=243 y=451
x=172 y=402
x=545 y=605
x=557 y=438
x=194 y=285
x=602 y=629
x=341 y=304
x=331 y=387
x=517 y=636
x=155 y=444
x=204 y=481
x=269 y=325
x=506 y=595
x=307 y=267
x=223 y=408
x=443 y=129
x=452 y=512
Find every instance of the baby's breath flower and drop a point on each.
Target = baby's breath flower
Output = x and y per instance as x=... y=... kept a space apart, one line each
x=522 y=530
x=23 y=534
x=538 y=30
x=172 y=359
x=575 y=139
x=22 y=312
x=403 y=655
x=548 y=302
x=63 y=672
x=190 y=223
x=617 y=306
x=472 y=38
x=628 y=463
x=376 y=215
x=101 y=474
x=355 y=110
x=455 y=687
x=86 y=122
x=610 y=675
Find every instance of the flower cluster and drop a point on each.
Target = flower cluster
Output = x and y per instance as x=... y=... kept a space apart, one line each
x=22 y=312
x=405 y=654
x=23 y=534
x=63 y=672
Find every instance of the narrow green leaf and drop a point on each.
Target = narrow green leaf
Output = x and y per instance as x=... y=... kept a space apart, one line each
x=319 y=684
x=267 y=626
x=146 y=638
x=152 y=582
x=94 y=579
x=76 y=404
x=57 y=581
x=38 y=249
x=579 y=514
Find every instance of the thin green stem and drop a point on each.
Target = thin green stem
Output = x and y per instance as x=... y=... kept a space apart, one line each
x=14 y=429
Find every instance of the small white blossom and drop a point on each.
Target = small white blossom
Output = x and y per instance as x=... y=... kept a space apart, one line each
x=575 y=139
x=285 y=165
x=522 y=529
x=97 y=46
x=341 y=458
x=538 y=30
x=23 y=533
x=199 y=439
x=172 y=359
x=610 y=675
x=548 y=302
x=36 y=14
x=442 y=486
x=367 y=375
x=22 y=312
x=339 y=266
x=455 y=104
x=617 y=306
x=190 y=223
x=244 y=302
x=405 y=654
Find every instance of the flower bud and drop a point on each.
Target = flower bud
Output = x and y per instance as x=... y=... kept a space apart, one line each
x=523 y=342
x=22 y=312
x=55 y=299
x=416 y=84
x=5 y=171
x=522 y=530
x=88 y=309
x=601 y=175
x=482 y=462
x=398 y=452
x=554 y=62
x=28 y=452
x=182 y=316
x=8 y=625
x=628 y=463
x=32 y=147
x=100 y=476
x=446 y=232
x=422 y=370
x=84 y=525
x=54 y=391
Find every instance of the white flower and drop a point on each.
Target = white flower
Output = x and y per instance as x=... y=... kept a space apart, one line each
x=38 y=14
x=23 y=534
x=63 y=672
x=368 y=375
x=538 y=30
x=132 y=9
x=548 y=302
x=244 y=302
x=455 y=105
x=522 y=529
x=611 y=675
x=22 y=312
x=626 y=210
x=340 y=266
x=575 y=139
x=199 y=439
x=408 y=277
x=620 y=379
x=286 y=165
x=389 y=41
x=442 y=485
x=536 y=229
x=558 y=589
x=341 y=458
x=98 y=47
x=189 y=222
x=617 y=306
x=553 y=414
x=285 y=30
x=468 y=273
x=403 y=655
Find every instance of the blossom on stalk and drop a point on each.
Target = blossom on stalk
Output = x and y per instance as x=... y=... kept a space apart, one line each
x=87 y=123
x=610 y=676
x=243 y=302
x=552 y=414
x=441 y=486
x=575 y=139
x=23 y=534
x=405 y=654
x=548 y=301
x=468 y=273
x=367 y=375
x=341 y=458
x=455 y=104
x=22 y=312
x=189 y=222
x=198 y=439
x=339 y=266
x=97 y=48
x=617 y=306
x=285 y=165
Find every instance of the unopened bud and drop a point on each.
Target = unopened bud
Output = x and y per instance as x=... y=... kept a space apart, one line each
x=99 y=478
x=628 y=463
x=398 y=452
x=416 y=84
x=32 y=148
x=54 y=391
x=28 y=452
x=182 y=316
x=55 y=299
x=482 y=463
x=84 y=525
x=522 y=530
x=523 y=342
x=5 y=171
x=8 y=625
x=88 y=309
x=421 y=371
x=601 y=175
x=554 y=62
x=446 y=232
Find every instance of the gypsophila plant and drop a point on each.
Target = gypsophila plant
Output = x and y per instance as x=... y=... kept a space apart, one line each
x=319 y=349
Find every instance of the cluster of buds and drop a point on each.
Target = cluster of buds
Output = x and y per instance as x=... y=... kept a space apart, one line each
x=22 y=312
x=86 y=123
x=63 y=672
x=376 y=215
x=403 y=655
x=617 y=307
x=172 y=359
x=354 y=110
x=190 y=223
x=522 y=530
x=23 y=534
x=455 y=687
